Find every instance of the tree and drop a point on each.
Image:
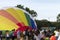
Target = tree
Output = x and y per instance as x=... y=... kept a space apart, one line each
x=27 y=9
x=20 y=6
x=44 y=23
x=32 y=12
x=58 y=18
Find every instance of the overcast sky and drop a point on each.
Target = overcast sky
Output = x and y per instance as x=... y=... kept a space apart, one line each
x=46 y=9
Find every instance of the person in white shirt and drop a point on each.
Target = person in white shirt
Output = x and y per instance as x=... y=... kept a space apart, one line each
x=18 y=35
x=7 y=35
x=56 y=34
x=59 y=36
x=36 y=37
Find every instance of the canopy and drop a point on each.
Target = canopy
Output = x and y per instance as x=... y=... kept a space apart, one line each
x=15 y=18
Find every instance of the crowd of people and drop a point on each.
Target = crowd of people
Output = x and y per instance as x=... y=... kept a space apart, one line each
x=31 y=35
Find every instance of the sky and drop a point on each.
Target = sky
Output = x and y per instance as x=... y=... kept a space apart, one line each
x=46 y=9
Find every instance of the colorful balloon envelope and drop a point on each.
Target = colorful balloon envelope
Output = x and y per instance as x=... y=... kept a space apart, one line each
x=15 y=18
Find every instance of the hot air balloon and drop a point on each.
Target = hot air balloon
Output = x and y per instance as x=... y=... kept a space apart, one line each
x=15 y=18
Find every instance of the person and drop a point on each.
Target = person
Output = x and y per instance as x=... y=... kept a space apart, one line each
x=18 y=35
x=56 y=33
x=37 y=35
x=7 y=35
x=27 y=34
x=13 y=35
x=53 y=37
x=59 y=35
x=48 y=33
x=58 y=38
x=42 y=36
x=21 y=36
x=0 y=35
x=32 y=34
x=24 y=35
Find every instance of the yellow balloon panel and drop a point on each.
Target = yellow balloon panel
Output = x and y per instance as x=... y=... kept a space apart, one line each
x=22 y=16
x=19 y=15
x=13 y=13
x=6 y=24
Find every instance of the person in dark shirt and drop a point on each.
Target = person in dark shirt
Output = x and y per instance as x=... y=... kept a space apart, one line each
x=13 y=35
x=0 y=35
